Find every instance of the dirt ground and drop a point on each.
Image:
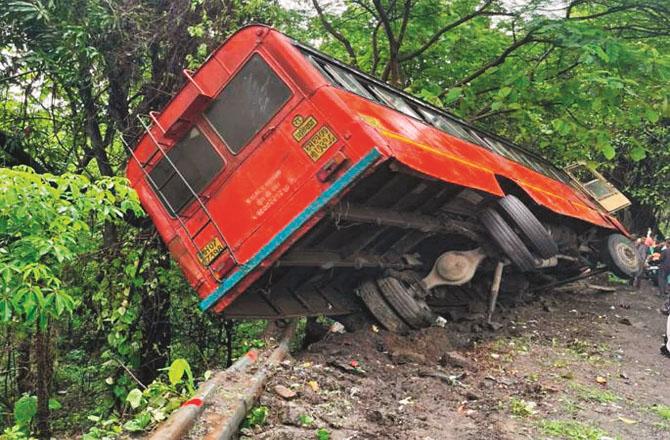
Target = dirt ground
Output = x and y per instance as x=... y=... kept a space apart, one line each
x=576 y=364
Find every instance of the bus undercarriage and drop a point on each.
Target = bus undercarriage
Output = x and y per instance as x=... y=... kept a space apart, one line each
x=408 y=248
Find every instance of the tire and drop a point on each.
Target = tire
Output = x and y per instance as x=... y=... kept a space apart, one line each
x=379 y=308
x=415 y=313
x=354 y=321
x=531 y=228
x=620 y=256
x=507 y=240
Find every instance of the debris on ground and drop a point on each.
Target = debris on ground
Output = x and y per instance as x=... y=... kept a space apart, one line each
x=577 y=370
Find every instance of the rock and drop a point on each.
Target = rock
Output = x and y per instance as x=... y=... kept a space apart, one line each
x=407 y=357
x=284 y=392
x=455 y=359
x=290 y=415
x=471 y=395
x=336 y=327
x=494 y=326
x=549 y=309
x=375 y=416
x=625 y=321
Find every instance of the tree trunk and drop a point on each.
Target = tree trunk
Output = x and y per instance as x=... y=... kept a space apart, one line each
x=23 y=379
x=156 y=328
x=43 y=380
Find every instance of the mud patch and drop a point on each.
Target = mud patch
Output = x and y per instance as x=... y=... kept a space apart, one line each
x=579 y=364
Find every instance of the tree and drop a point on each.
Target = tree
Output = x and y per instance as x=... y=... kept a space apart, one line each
x=46 y=223
x=581 y=82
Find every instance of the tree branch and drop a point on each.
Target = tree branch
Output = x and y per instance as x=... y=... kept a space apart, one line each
x=495 y=62
x=436 y=36
x=335 y=33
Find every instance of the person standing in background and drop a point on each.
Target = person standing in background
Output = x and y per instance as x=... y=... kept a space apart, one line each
x=663 y=272
x=642 y=253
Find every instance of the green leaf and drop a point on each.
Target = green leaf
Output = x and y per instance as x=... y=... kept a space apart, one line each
x=138 y=423
x=608 y=151
x=453 y=95
x=54 y=405
x=25 y=409
x=322 y=434
x=652 y=115
x=177 y=369
x=638 y=153
x=134 y=398
x=504 y=91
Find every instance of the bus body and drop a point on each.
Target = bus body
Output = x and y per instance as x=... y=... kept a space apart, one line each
x=280 y=179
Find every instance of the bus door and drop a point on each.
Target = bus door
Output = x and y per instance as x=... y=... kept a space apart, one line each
x=594 y=184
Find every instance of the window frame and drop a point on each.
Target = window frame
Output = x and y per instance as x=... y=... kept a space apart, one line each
x=179 y=211
x=217 y=132
x=517 y=154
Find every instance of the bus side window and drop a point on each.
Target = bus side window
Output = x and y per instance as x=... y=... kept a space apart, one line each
x=348 y=81
x=394 y=101
x=496 y=146
x=320 y=68
x=440 y=122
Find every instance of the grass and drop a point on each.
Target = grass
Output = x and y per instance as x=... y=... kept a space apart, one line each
x=662 y=411
x=571 y=430
x=590 y=394
x=520 y=407
x=570 y=406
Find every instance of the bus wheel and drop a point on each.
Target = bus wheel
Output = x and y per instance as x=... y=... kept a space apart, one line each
x=380 y=309
x=507 y=240
x=619 y=254
x=413 y=310
x=530 y=226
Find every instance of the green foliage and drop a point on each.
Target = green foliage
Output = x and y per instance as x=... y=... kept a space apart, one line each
x=73 y=73
x=662 y=411
x=147 y=407
x=305 y=420
x=322 y=434
x=176 y=373
x=256 y=417
x=520 y=407
x=46 y=223
x=571 y=430
x=24 y=410
x=594 y=394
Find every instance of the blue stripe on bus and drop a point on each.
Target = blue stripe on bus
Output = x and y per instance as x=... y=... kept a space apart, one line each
x=343 y=181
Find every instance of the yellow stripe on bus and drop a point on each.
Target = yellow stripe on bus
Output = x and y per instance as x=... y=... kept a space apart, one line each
x=394 y=135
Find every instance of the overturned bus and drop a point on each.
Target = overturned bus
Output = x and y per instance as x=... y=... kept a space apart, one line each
x=286 y=183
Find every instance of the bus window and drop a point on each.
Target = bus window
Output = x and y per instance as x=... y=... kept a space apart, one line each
x=248 y=102
x=477 y=138
x=198 y=163
x=320 y=68
x=497 y=147
x=348 y=81
x=444 y=124
x=395 y=101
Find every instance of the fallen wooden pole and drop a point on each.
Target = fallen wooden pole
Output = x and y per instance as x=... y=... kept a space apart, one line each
x=181 y=421
x=227 y=425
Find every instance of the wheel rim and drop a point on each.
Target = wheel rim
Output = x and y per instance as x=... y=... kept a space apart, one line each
x=626 y=255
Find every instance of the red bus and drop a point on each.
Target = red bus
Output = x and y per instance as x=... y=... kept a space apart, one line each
x=286 y=183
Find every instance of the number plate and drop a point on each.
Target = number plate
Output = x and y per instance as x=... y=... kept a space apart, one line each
x=210 y=251
x=303 y=127
x=319 y=143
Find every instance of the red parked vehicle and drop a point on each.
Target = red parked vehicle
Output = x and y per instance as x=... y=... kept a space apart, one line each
x=286 y=183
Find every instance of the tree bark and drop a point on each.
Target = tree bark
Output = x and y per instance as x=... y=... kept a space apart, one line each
x=43 y=380
x=156 y=326
x=23 y=379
